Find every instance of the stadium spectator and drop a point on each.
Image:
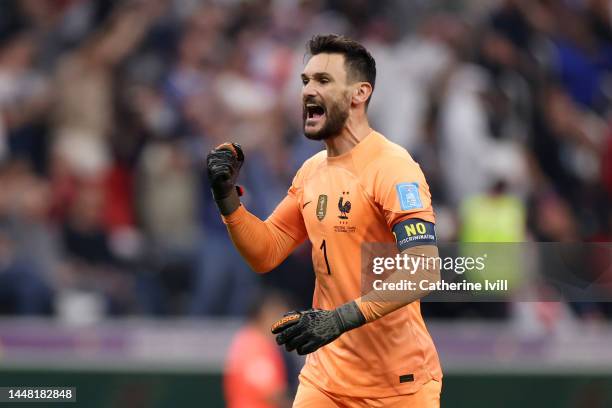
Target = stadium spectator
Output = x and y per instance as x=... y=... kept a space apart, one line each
x=23 y=288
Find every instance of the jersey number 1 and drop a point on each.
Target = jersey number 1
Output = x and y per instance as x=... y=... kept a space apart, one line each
x=324 y=248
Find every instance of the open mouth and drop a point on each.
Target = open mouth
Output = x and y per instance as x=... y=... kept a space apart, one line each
x=314 y=111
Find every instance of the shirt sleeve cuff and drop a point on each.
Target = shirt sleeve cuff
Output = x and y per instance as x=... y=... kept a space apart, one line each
x=235 y=217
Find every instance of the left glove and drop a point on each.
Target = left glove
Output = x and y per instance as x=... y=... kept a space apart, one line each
x=224 y=163
x=308 y=330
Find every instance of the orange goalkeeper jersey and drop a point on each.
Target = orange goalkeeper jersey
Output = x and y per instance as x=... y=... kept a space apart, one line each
x=339 y=203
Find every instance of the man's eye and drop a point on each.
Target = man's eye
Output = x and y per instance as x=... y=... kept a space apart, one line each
x=304 y=81
x=324 y=80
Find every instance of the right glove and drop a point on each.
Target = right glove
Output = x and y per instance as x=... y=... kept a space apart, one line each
x=224 y=163
x=308 y=330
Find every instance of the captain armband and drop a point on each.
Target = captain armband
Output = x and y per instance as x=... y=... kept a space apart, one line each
x=412 y=232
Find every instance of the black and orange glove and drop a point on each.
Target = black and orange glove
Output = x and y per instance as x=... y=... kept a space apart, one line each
x=308 y=330
x=224 y=163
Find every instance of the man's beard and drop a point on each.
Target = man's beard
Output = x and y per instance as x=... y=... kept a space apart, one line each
x=335 y=119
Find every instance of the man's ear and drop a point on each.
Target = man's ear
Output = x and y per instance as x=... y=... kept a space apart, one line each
x=361 y=93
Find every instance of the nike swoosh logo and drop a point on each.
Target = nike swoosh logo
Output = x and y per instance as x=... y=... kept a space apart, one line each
x=306 y=204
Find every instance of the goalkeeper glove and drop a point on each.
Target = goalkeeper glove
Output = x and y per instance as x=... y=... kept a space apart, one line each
x=224 y=163
x=308 y=330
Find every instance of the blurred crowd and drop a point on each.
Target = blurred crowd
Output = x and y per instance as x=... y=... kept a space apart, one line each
x=107 y=110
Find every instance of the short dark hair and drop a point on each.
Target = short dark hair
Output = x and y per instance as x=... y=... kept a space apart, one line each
x=359 y=63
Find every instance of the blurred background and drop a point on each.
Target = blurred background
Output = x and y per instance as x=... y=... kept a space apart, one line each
x=116 y=273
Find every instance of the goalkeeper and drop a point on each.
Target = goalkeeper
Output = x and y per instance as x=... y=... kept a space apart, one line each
x=362 y=350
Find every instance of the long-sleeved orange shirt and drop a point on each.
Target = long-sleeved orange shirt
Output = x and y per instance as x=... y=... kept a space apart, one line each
x=339 y=203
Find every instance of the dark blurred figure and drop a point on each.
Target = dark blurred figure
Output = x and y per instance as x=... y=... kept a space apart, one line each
x=25 y=97
x=583 y=56
x=23 y=289
x=29 y=257
x=94 y=266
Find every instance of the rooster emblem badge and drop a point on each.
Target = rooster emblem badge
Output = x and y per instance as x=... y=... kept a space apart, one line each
x=344 y=208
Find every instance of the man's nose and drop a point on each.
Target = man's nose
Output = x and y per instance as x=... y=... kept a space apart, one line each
x=309 y=90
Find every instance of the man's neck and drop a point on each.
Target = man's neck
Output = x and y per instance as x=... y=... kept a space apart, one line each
x=353 y=132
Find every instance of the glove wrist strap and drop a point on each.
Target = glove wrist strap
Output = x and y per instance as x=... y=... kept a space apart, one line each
x=229 y=204
x=350 y=316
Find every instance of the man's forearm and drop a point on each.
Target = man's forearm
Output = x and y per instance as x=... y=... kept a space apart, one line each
x=308 y=330
x=378 y=303
x=261 y=243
